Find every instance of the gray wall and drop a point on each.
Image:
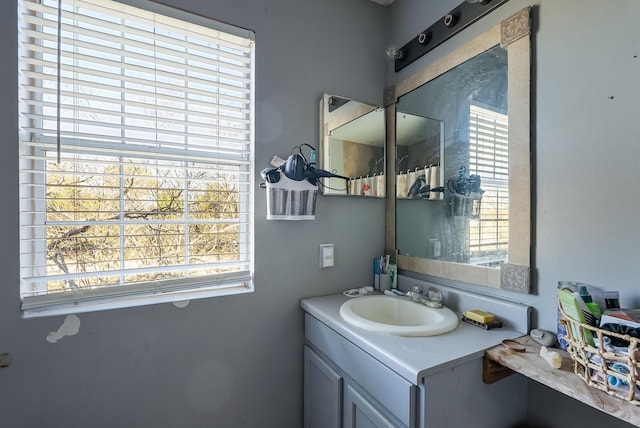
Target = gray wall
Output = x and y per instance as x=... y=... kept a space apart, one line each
x=237 y=361
x=226 y=362
x=587 y=146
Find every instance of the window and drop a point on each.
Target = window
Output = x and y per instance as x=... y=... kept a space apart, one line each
x=489 y=158
x=136 y=156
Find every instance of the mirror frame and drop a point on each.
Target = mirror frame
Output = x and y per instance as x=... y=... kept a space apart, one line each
x=514 y=34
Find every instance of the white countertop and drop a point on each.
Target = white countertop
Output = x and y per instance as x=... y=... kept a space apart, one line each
x=411 y=357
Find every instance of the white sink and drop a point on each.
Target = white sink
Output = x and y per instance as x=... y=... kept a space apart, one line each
x=398 y=316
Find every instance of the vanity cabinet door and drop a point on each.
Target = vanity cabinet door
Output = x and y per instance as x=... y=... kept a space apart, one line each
x=360 y=413
x=322 y=393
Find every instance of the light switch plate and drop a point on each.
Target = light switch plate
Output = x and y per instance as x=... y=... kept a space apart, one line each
x=326 y=256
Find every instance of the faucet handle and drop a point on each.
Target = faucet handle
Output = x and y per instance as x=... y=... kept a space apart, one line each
x=417 y=289
x=435 y=295
x=435 y=298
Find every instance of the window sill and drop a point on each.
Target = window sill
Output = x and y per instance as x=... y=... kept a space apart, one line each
x=117 y=297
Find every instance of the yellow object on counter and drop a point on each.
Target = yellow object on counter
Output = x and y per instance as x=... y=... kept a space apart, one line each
x=480 y=316
x=552 y=357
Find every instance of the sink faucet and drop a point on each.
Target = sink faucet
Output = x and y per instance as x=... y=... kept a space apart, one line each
x=434 y=299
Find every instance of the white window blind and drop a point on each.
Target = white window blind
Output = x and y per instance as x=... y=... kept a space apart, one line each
x=136 y=156
x=489 y=158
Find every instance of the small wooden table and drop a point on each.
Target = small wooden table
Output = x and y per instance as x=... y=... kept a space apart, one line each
x=499 y=362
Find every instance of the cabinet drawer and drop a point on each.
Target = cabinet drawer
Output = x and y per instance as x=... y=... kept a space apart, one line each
x=390 y=390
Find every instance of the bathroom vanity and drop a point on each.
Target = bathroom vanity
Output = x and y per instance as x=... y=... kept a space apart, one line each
x=356 y=378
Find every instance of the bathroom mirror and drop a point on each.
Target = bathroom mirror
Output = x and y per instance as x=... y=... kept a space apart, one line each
x=352 y=144
x=473 y=223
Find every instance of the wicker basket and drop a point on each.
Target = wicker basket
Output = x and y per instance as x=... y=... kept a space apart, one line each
x=600 y=368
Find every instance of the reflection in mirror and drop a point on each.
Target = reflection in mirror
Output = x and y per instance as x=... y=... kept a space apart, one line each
x=352 y=145
x=419 y=153
x=470 y=224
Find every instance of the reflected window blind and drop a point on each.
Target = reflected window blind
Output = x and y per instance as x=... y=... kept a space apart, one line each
x=136 y=153
x=489 y=158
